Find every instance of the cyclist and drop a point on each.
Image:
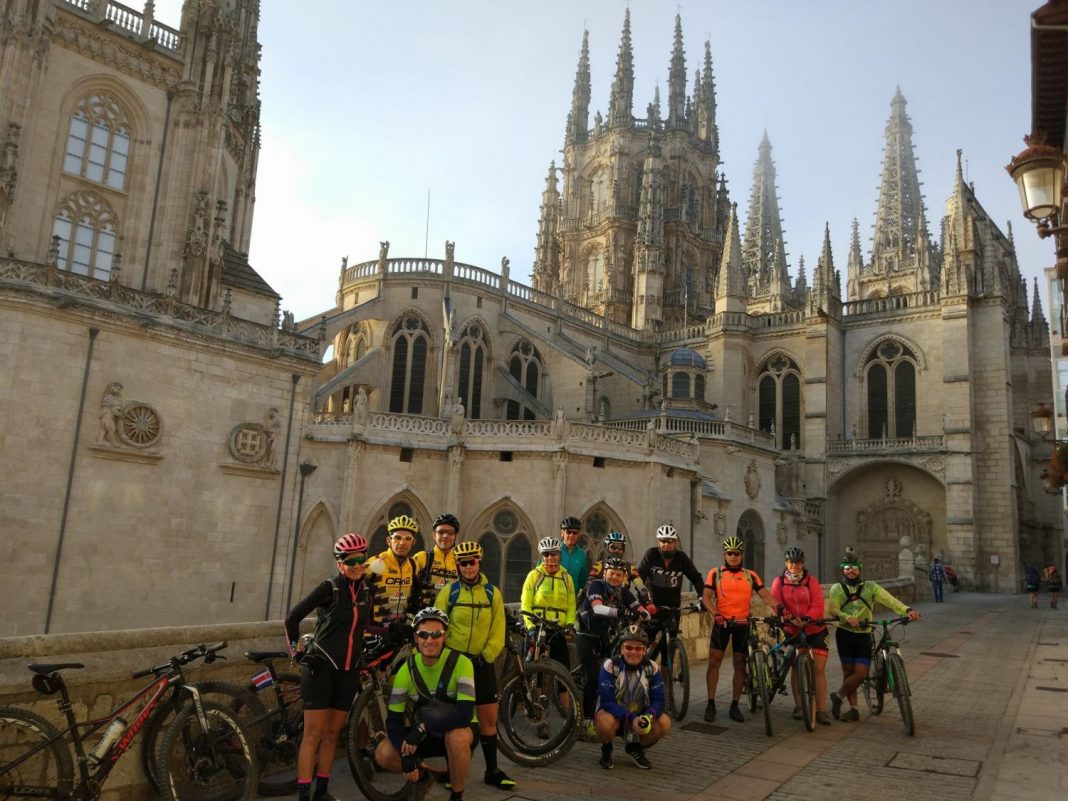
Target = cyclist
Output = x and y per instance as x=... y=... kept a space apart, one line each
x=549 y=592
x=663 y=568
x=476 y=614
x=439 y=684
x=852 y=601
x=799 y=599
x=437 y=567
x=615 y=545
x=728 y=593
x=396 y=581
x=330 y=677
x=631 y=692
x=573 y=557
x=607 y=600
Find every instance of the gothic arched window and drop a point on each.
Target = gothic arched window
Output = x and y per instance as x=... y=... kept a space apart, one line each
x=472 y=370
x=411 y=339
x=507 y=555
x=98 y=142
x=779 y=401
x=891 y=378
x=87 y=235
x=595 y=271
x=525 y=366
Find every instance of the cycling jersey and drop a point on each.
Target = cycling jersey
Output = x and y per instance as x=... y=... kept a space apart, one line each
x=395 y=589
x=626 y=692
x=804 y=599
x=575 y=562
x=616 y=597
x=847 y=600
x=551 y=596
x=733 y=590
x=476 y=620
x=632 y=579
x=344 y=608
x=442 y=571
x=460 y=690
x=664 y=577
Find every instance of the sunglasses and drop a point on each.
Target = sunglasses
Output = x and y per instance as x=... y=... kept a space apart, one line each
x=617 y=548
x=399 y=538
x=445 y=532
x=850 y=567
x=466 y=562
x=551 y=555
x=732 y=553
x=572 y=531
x=352 y=561
x=634 y=648
x=430 y=635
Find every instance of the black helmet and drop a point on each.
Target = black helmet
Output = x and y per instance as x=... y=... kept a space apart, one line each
x=634 y=633
x=571 y=523
x=615 y=563
x=447 y=520
x=794 y=554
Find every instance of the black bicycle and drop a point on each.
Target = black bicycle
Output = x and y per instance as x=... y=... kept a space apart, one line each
x=792 y=652
x=674 y=664
x=758 y=675
x=888 y=674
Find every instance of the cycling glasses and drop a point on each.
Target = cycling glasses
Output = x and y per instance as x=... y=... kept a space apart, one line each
x=466 y=562
x=352 y=561
x=633 y=648
x=732 y=553
x=430 y=635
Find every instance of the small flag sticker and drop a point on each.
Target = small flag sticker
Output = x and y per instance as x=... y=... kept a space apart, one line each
x=261 y=680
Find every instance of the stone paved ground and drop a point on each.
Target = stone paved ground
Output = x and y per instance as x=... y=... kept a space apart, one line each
x=990 y=690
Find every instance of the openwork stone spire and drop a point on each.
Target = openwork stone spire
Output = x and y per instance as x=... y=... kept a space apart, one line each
x=763 y=253
x=677 y=81
x=731 y=284
x=622 y=100
x=545 y=253
x=578 y=120
x=705 y=101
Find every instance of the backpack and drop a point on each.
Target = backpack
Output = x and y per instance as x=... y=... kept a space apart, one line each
x=856 y=596
x=715 y=581
x=454 y=595
x=542 y=575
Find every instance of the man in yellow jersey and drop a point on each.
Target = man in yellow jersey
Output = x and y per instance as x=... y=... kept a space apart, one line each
x=436 y=568
x=395 y=583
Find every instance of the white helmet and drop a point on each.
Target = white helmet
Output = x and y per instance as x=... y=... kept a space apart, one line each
x=549 y=544
x=667 y=532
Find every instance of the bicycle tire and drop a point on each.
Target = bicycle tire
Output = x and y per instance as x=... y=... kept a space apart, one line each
x=806 y=689
x=366 y=729
x=213 y=764
x=525 y=707
x=280 y=737
x=898 y=680
x=679 y=679
x=874 y=687
x=50 y=768
x=233 y=696
x=761 y=681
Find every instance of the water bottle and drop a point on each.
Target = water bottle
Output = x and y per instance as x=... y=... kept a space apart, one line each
x=111 y=736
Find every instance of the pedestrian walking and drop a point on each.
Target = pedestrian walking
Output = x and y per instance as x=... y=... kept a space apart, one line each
x=1031 y=584
x=937 y=575
x=1053 y=583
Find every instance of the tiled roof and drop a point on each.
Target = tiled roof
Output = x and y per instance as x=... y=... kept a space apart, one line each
x=238 y=273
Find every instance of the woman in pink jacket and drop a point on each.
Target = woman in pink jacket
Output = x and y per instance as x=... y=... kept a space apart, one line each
x=798 y=595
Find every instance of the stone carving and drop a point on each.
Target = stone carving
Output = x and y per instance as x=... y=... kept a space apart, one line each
x=254 y=443
x=111 y=407
x=197 y=238
x=383 y=253
x=456 y=422
x=288 y=321
x=123 y=424
x=752 y=480
x=650 y=433
x=9 y=160
x=360 y=412
x=218 y=234
x=936 y=464
x=719 y=524
x=456 y=457
x=559 y=425
x=559 y=460
x=505 y=271
x=893 y=487
x=780 y=532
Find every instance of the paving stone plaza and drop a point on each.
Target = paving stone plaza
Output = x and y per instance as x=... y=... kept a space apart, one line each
x=990 y=691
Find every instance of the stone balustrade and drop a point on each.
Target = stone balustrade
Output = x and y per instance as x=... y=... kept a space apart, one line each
x=892 y=303
x=934 y=442
x=710 y=429
x=132 y=22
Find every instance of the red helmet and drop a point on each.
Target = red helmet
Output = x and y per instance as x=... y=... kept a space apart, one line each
x=349 y=543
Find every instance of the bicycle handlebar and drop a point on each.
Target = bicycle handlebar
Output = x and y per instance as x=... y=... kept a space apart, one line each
x=894 y=621
x=208 y=652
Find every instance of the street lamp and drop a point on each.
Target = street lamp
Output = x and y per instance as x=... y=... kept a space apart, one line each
x=1039 y=171
x=1042 y=420
x=306 y=469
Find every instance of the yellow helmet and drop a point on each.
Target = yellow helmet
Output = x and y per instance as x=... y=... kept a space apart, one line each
x=467 y=548
x=403 y=523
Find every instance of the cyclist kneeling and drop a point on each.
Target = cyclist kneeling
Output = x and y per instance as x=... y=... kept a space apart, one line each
x=631 y=691
x=445 y=722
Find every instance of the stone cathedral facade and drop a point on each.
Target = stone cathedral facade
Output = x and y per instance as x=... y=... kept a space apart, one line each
x=181 y=436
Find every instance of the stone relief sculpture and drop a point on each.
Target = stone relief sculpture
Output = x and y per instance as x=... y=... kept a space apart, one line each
x=752 y=480
x=197 y=238
x=383 y=252
x=360 y=413
x=126 y=424
x=456 y=422
x=111 y=408
x=271 y=430
x=719 y=523
x=254 y=443
x=559 y=425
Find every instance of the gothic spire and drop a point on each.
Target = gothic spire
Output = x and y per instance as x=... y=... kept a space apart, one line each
x=855 y=265
x=763 y=252
x=579 y=119
x=545 y=267
x=730 y=288
x=677 y=80
x=654 y=109
x=622 y=100
x=902 y=243
x=1036 y=306
x=651 y=203
x=705 y=97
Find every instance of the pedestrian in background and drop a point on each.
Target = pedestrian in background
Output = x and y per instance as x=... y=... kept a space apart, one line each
x=1032 y=583
x=937 y=575
x=1053 y=584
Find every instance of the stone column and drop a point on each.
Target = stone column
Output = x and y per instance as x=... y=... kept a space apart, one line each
x=453 y=494
x=350 y=486
x=559 y=510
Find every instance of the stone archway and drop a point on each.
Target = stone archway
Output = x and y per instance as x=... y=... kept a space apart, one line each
x=750 y=530
x=883 y=526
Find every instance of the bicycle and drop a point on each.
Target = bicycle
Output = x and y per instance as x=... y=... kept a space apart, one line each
x=540 y=706
x=205 y=754
x=888 y=673
x=758 y=677
x=280 y=727
x=674 y=664
x=792 y=652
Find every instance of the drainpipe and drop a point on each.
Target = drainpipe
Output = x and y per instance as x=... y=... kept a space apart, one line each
x=155 y=195
x=281 y=497
x=70 y=481
x=306 y=469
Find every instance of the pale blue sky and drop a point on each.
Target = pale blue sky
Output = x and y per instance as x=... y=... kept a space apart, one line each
x=367 y=104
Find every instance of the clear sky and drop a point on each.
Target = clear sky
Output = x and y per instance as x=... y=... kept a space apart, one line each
x=367 y=105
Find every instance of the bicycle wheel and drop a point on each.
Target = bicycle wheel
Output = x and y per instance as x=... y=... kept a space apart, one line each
x=44 y=768
x=280 y=736
x=366 y=729
x=806 y=688
x=679 y=679
x=762 y=682
x=216 y=763
x=534 y=728
x=898 y=681
x=874 y=687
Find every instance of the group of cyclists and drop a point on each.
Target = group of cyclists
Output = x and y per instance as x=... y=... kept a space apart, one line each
x=443 y=699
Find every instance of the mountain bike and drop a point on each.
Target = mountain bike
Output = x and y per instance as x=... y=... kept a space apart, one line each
x=674 y=664
x=758 y=676
x=888 y=673
x=792 y=652
x=540 y=706
x=205 y=753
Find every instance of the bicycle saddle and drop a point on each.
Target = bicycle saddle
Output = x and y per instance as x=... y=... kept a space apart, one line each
x=45 y=669
x=260 y=656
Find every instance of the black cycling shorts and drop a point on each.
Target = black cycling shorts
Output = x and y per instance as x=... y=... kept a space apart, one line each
x=326 y=688
x=722 y=634
x=817 y=643
x=854 y=648
x=433 y=745
x=485 y=681
x=559 y=651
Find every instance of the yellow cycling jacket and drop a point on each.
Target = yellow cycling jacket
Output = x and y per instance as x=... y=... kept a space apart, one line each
x=549 y=596
x=442 y=571
x=392 y=586
x=476 y=620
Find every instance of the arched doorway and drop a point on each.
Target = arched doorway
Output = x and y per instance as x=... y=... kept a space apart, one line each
x=751 y=531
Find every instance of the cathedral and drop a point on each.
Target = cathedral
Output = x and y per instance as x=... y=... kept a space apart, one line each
x=179 y=432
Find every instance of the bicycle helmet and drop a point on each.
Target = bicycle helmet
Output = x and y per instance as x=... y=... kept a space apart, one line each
x=794 y=554
x=851 y=560
x=349 y=543
x=667 y=532
x=403 y=523
x=571 y=522
x=467 y=549
x=733 y=544
x=615 y=563
x=615 y=538
x=430 y=613
x=446 y=520
x=634 y=633
x=549 y=544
